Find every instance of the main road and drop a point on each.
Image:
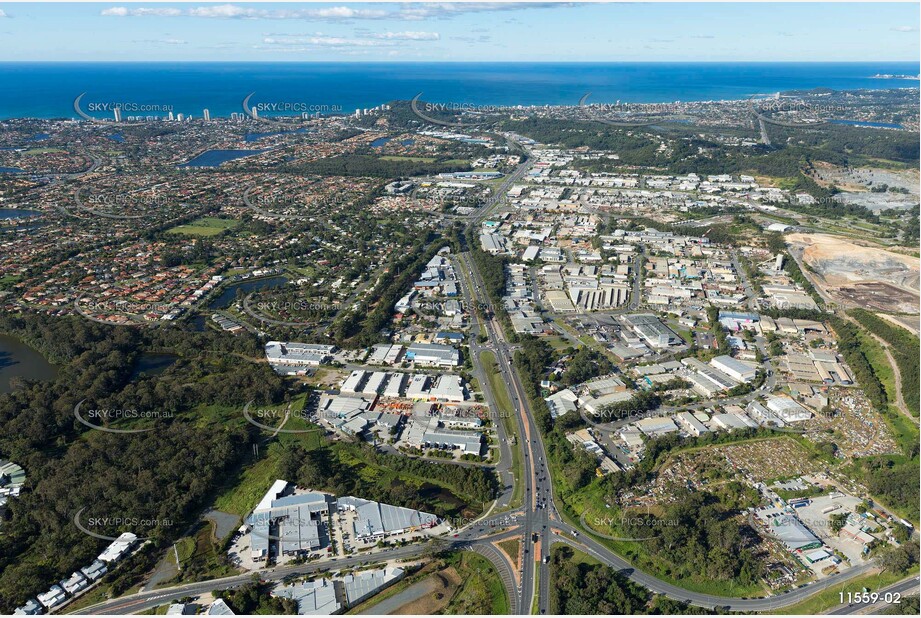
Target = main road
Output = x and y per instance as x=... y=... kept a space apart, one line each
x=538 y=523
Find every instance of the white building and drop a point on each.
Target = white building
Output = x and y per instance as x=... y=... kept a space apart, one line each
x=75 y=583
x=787 y=410
x=735 y=369
x=118 y=548
x=433 y=354
x=54 y=597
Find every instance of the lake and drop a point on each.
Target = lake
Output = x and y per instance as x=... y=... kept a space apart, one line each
x=230 y=292
x=19 y=360
x=214 y=158
x=17 y=213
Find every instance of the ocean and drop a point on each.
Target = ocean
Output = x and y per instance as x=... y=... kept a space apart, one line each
x=48 y=90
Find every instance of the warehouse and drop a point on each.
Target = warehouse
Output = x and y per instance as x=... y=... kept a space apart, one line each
x=656 y=426
x=735 y=369
x=788 y=529
x=562 y=402
x=353 y=383
x=316 y=598
x=433 y=354
x=649 y=328
x=788 y=410
x=733 y=421
x=418 y=386
x=359 y=586
x=298 y=354
x=374 y=384
x=530 y=253
x=426 y=432
x=710 y=372
x=448 y=388
x=394 y=387
x=691 y=424
x=702 y=386
x=596 y=405
x=295 y=519
x=377 y=520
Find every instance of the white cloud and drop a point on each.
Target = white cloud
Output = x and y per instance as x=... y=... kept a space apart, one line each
x=324 y=41
x=450 y=9
x=121 y=11
x=407 y=36
x=162 y=41
x=904 y=29
x=3 y=14
x=233 y=11
x=335 y=13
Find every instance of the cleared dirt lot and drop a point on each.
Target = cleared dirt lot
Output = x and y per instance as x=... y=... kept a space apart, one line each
x=856 y=274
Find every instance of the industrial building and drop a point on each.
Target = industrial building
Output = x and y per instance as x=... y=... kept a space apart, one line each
x=651 y=330
x=297 y=354
x=376 y=520
x=425 y=433
x=316 y=598
x=656 y=426
x=690 y=424
x=433 y=354
x=787 y=410
x=735 y=369
x=788 y=529
x=707 y=379
x=359 y=586
x=731 y=421
x=293 y=522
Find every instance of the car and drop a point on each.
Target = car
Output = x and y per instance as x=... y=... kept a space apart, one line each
x=456 y=535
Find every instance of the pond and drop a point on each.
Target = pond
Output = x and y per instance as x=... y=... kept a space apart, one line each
x=152 y=364
x=229 y=295
x=19 y=360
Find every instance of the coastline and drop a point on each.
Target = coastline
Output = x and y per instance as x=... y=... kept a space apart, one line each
x=47 y=90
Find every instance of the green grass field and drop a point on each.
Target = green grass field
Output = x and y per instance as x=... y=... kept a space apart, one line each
x=511 y=547
x=831 y=597
x=481 y=592
x=205 y=226
x=506 y=411
x=36 y=151
x=252 y=485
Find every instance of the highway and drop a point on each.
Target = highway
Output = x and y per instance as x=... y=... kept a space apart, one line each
x=537 y=523
x=903 y=589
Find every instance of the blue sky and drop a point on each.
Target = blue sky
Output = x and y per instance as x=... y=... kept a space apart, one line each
x=199 y=31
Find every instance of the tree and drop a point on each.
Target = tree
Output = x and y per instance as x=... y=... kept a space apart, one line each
x=837 y=521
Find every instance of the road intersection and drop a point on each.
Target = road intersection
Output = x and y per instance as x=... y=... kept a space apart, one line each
x=537 y=523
